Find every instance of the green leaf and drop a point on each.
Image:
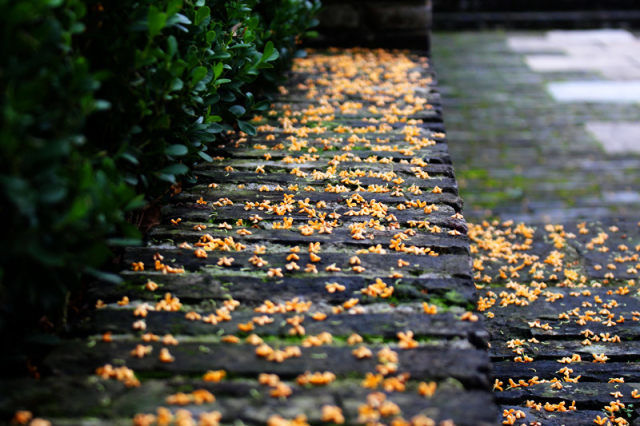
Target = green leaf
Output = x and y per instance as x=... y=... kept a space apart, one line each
x=121 y=242
x=175 y=169
x=130 y=158
x=135 y=203
x=217 y=70
x=202 y=14
x=247 y=128
x=104 y=276
x=156 y=21
x=205 y=156
x=176 y=150
x=211 y=36
x=270 y=53
x=101 y=105
x=237 y=110
x=221 y=55
x=172 y=46
x=174 y=6
x=198 y=74
x=176 y=84
x=167 y=178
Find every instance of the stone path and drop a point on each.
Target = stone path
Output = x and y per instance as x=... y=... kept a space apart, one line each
x=563 y=311
x=318 y=272
x=519 y=153
x=561 y=299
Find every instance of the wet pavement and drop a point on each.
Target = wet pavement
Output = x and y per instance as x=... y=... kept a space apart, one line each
x=543 y=126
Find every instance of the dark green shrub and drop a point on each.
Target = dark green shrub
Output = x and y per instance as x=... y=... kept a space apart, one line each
x=184 y=73
x=59 y=200
x=100 y=100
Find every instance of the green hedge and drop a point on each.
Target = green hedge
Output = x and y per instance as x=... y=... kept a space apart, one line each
x=102 y=101
x=185 y=74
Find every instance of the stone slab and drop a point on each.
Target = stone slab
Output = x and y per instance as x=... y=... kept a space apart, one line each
x=621 y=92
x=590 y=62
x=616 y=137
x=532 y=44
x=608 y=36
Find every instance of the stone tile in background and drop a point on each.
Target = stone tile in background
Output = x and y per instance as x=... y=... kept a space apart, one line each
x=617 y=137
x=624 y=92
x=518 y=153
x=612 y=53
x=605 y=36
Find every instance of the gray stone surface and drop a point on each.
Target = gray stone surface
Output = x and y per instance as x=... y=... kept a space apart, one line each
x=617 y=137
x=612 y=53
x=520 y=154
x=605 y=36
x=319 y=229
x=619 y=92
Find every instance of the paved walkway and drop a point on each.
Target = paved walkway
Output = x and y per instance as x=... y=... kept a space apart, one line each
x=562 y=304
x=543 y=128
x=318 y=272
x=544 y=125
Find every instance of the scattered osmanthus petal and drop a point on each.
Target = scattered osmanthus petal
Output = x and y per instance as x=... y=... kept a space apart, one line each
x=225 y=261
x=354 y=339
x=601 y=358
x=165 y=356
x=22 y=417
x=429 y=309
x=151 y=286
x=333 y=287
x=316 y=379
x=211 y=418
x=122 y=374
x=427 y=389
x=150 y=337
x=246 y=326
x=277 y=420
x=362 y=352
x=275 y=272
x=332 y=414
x=169 y=340
x=254 y=339
x=39 y=422
x=281 y=390
x=185 y=245
x=319 y=316
x=469 y=316
x=372 y=381
x=139 y=325
x=406 y=340
x=230 y=339
x=140 y=351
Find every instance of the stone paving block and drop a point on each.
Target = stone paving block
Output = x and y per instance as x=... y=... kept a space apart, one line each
x=611 y=36
x=616 y=137
x=532 y=44
x=622 y=92
x=564 y=63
